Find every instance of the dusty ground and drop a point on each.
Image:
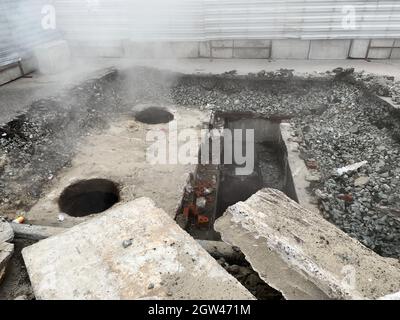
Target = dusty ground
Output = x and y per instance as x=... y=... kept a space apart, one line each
x=118 y=153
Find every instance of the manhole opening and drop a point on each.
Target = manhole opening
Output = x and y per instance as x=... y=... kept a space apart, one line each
x=88 y=197
x=154 y=115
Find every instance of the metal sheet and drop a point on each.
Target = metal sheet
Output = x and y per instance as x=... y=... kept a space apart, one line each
x=21 y=29
x=113 y=20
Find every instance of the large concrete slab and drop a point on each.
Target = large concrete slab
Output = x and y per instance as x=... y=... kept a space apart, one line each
x=290 y=49
x=359 y=49
x=135 y=251
x=329 y=49
x=304 y=256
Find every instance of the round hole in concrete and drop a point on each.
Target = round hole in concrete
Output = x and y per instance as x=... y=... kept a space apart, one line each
x=154 y=115
x=88 y=197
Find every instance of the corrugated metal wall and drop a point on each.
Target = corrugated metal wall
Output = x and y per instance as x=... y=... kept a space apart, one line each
x=102 y=21
x=99 y=20
x=301 y=19
x=113 y=20
x=21 y=29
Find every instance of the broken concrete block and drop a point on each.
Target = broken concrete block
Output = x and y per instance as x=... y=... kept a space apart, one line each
x=302 y=255
x=92 y=260
x=6 y=231
x=6 y=251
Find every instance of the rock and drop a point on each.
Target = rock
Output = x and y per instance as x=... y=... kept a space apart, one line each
x=127 y=243
x=279 y=237
x=313 y=176
x=321 y=195
x=351 y=167
x=361 y=181
x=87 y=261
x=311 y=164
x=6 y=231
x=6 y=251
x=233 y=269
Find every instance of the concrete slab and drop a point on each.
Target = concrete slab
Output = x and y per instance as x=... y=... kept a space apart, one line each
x=6 y=231
x=6 y=251
x=249 y=43
x=359 y=49
x=395 y=53
x=290 y=49
x=222 y=43
x=379 y=53
x=135 y=251
x=222 y=53
x=205 y=49
x=251 y=53
x=298 y=168
x=329 y=49
x=301 y=254
x=382 y=43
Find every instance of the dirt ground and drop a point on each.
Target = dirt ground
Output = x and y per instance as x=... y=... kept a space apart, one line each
x=118 y=153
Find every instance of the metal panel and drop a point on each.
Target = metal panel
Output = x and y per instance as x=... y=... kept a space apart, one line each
x=150 y=20
x=113 y=20
x=21 y=29
x=301 y=19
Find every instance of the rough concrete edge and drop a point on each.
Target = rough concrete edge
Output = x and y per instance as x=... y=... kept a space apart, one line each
x=298 y=169
x=276 y=258
x=153 y=204
x=305 y=267
x=8 y=247
x=10 y=231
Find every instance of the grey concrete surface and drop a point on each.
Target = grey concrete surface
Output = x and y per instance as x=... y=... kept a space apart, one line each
x=299 y=253
x=6 y=232
x=6 y=251
x=135 y=251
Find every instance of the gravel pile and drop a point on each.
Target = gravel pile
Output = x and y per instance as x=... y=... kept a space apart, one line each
x=338 y=125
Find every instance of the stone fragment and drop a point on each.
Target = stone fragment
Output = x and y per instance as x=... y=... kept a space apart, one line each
x=88 y=261
x=299 y=253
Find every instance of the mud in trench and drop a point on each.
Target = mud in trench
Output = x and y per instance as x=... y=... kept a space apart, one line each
x=337 y=122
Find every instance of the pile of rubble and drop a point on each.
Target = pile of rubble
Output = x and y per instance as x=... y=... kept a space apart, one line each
x=337 y=124
x=38 y=143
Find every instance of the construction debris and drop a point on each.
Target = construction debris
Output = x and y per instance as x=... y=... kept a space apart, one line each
x=6 y=232
x=351 y=167
x=6 y=251
x=34 y=232
x=302 y=255
x=88 y=261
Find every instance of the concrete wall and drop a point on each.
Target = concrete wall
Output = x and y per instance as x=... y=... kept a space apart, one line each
x=246 y=49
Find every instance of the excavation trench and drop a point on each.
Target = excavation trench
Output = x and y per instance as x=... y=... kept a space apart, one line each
x=216 y=185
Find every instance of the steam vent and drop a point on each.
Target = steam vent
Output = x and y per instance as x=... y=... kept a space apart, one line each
x=206 y=153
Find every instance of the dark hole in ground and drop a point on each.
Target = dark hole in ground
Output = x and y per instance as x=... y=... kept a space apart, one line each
x=219 y=186
x=154 y=115
x=88 y=197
